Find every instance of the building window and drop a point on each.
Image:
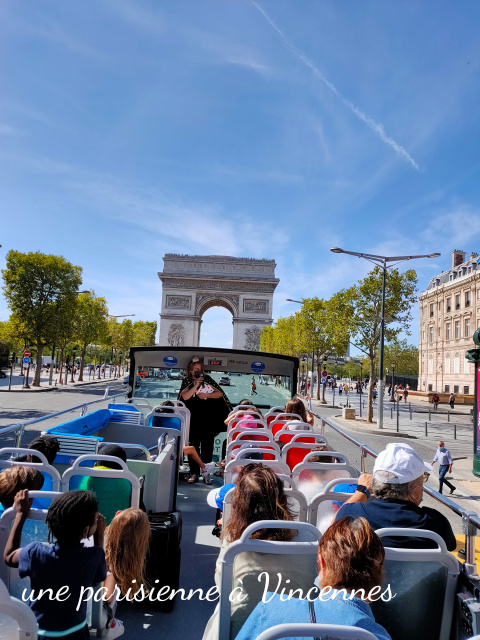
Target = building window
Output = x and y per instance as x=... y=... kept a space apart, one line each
x=447 y=388
x=447 y=331
x=447 y=363
x=456 y=363
x=466 y=390
x=467 y=298
x=457 y=301
x=457 y=329
x=430 y=334
x=439 y=331
x=456 y=388
x=439 y=307
x=449 y=304
x=431 y=310
x=430 y=364
x=467 y=328
x=430 y=387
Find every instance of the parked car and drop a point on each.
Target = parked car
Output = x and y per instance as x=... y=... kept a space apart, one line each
x=225 y=380
x=138 y=381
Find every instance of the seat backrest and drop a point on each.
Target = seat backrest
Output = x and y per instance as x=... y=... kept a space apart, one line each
x=273 y=413
x=43 y=466
x=297 y=452
x=17 y=620
x=233 y=467
x=424 y=583
x=244 y=561
x=280 y=420
x=241 y=414
x=232 y=434
x=307 y=630
x=312 y=477
x=107 y=484
x=258 y=435
x=323 y=508
x=269 y=450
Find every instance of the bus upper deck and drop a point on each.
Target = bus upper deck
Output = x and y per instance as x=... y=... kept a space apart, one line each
x=437 y=597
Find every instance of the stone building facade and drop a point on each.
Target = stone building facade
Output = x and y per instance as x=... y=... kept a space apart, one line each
x=194 y=284
x=449 y=316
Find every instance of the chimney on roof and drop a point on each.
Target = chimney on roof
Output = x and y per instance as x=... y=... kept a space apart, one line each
x=457 y=257
x=473 y=256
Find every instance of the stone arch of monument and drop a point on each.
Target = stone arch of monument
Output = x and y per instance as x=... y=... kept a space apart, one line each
x=194 y=284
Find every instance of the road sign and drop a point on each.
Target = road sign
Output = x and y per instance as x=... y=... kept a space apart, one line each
x=26 y=360
x=324 y=380
x=324 y=374
x=26 y=353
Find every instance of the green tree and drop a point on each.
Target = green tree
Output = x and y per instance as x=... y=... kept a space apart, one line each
x=144 y=333
x=40 y=291
x=90 y=323
x=365 y=320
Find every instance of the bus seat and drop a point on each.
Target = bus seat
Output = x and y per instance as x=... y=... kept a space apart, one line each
x=308 y=630
x=260 y=435
x=424 y=582
x=296 y=502
x=115 y=488
x=123 y=407
x=232 y=434
x=17 y=620
x=269 y=450
x=280 y=420
x=36 y=530
x=233 y=467
x=323 y=508
x=312 y=477
x=246 y=558
x=297 y=452
x=72 y=446
x=164 y=420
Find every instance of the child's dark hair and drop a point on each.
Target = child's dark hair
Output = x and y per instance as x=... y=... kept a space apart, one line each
x=48 y=445
x=167 y=403
x=69 y=515
x=111 y=450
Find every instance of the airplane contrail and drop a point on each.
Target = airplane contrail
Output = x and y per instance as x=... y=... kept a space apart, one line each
x=374 y=126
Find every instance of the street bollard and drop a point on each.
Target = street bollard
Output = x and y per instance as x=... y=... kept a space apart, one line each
x=426 y=428
x=398 y=421
x=455 y=431
x=411 y=413
x=448 y=416
x=429 y=415
x=391 y=413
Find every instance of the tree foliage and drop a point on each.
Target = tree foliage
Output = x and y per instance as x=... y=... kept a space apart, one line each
x=365 y=320
x=41 y=291
x=90 y=324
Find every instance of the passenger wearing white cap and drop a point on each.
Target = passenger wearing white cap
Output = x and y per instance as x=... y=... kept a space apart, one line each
x=397 y=486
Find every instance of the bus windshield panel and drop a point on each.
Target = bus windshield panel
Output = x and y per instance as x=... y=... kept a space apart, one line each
x=267 y=379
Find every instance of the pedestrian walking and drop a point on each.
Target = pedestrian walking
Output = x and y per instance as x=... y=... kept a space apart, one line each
x=435 y=400
x=405 y=394
x=451 y=400
x=445 y=461
x=254 y=388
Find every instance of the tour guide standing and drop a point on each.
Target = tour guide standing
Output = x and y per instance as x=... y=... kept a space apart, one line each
x=209 y=406
x=444 y=459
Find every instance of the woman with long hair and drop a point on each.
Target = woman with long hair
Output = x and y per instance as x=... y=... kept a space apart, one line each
x=350 y=564
x=208 y=405
x=296 y=405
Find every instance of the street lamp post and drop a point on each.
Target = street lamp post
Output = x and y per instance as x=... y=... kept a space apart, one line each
x=392 y=395
x=384 y=262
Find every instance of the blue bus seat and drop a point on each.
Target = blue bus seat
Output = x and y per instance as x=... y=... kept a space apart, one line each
x=165 y=420
x=84 y=425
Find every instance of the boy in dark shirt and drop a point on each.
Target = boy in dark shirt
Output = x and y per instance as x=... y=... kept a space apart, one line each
x=66 y=566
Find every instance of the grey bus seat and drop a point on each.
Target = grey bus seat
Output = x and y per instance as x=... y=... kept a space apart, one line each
x=126 y=417
x=233 y=467
x=312 y=477
x=17 y=620
x=424 y=582
x=42 y=466
x=271 y=557
x=325 y=631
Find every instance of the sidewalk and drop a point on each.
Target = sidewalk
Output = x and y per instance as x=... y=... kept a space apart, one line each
x=18 y=381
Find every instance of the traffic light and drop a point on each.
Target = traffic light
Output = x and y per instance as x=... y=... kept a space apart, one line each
x=67 y=360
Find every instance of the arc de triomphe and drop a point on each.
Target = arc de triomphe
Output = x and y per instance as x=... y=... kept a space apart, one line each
x=193 y=284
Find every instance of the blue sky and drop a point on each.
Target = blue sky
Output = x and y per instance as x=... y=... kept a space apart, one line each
x=275 y=129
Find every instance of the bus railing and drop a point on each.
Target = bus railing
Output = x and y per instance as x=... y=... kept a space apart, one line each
x=82 y=407
x=470 y=520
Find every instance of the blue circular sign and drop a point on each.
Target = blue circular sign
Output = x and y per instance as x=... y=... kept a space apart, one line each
x=257 y=367
x=170 y=361
x=26 y=360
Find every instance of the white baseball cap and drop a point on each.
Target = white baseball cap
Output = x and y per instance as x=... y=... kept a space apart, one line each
x=402 y=460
